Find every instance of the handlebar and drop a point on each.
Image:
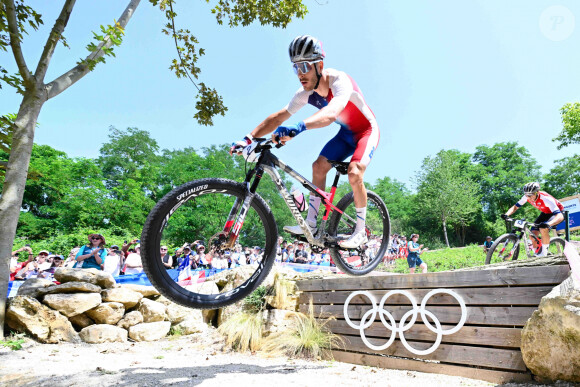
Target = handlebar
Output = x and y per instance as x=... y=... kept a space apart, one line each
x=538 y=225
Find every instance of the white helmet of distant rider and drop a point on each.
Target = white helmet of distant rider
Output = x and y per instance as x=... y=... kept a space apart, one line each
x=531 y=188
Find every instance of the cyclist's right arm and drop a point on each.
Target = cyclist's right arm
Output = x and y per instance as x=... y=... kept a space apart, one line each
x=271 y=123
x=515 y=207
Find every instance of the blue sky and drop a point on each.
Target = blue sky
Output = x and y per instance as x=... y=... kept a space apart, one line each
x=438 y=75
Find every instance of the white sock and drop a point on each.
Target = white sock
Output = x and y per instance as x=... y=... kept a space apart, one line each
x=313 y=206
x=545 y=249
x=361 y=214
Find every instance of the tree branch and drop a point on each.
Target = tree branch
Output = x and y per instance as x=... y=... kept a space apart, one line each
x=69 y=78
x=53 y=38
x=15 y=43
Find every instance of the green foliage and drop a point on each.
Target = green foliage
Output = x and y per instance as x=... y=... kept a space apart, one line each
x=14 y=341
x=25 y=17
x=278 y=13
x=563 y=180
x=209 y=104
x=501 y=171
x=6 y=130
x=445 y=192
x=243 y=331
x=307 y=337
x=111 y=35
x=256 y=302
x=571 y=121
x=399 y=202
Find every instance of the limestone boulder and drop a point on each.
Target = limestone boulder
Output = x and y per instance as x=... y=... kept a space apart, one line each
x=149 y=331
x=177 y=313
x=152 y=311
x=107 y=313
x=127 y=297
x=73 y=303
x=81 y=321
x=93 y=276
x=132 y=318
x=146 y=291
x=33 y=287
x=103 y=333
x=28 y=315
x=71 y=287
x=551 y=337
x=193 y=323
x=277 y=320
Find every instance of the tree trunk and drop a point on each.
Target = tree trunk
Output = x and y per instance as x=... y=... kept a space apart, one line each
x=13 y=189
x=445 y=232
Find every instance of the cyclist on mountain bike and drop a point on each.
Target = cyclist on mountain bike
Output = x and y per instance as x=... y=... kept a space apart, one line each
x=340 y=100
x=551 y=212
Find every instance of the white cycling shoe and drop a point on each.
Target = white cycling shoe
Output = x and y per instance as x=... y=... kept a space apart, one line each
x=355 y=240
x=297 y=230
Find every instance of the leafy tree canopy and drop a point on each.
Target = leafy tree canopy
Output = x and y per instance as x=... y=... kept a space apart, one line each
x=571 y=121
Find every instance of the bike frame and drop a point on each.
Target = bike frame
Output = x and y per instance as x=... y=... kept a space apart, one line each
x=523 y=228
x=270 y=164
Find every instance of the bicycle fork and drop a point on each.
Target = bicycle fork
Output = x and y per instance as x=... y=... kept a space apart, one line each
x=236 y=217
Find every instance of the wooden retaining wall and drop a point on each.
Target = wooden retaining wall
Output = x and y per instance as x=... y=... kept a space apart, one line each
x=487 y=347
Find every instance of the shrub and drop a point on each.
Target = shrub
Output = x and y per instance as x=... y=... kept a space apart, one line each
x=256 y=301
x=308 y=337
x=243 y=331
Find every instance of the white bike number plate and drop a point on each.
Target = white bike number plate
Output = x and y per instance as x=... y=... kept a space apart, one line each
x=519 y=223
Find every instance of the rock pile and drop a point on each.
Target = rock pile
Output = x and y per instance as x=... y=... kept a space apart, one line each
x=89 y=305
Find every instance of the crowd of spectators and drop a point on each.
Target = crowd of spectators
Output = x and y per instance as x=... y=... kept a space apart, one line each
x=127 y=259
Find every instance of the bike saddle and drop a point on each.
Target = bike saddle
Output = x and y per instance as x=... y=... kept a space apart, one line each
x=341 y=166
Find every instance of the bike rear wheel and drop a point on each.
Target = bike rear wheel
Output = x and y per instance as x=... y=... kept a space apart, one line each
x=557 y=245
x=505 y=248
x=199 y=210
x=365 y=258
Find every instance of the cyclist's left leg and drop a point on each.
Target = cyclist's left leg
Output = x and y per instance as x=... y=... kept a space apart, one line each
x=365 y=148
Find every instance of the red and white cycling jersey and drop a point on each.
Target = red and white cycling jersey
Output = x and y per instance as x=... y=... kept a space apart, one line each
x=356 y=116
x=545 y=203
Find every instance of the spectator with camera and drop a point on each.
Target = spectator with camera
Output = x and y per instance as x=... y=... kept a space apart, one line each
x=133 y=264
x=92 y=255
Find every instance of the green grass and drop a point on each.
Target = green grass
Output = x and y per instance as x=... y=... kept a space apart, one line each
x=444 y=259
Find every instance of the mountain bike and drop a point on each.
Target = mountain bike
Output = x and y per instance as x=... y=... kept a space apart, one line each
x=507 y=246
x=226 y=213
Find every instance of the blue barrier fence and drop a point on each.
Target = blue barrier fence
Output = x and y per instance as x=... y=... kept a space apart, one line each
x=141 y=278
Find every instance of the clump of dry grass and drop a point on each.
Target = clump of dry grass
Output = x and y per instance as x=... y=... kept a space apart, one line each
x=308 y=337
x=243 y=331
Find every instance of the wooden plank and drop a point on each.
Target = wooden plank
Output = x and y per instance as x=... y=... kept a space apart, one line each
x=505 y=359
x=476 y=315
x=472 y=296
x=491 y=376
x=485 y=336
x=539 y=275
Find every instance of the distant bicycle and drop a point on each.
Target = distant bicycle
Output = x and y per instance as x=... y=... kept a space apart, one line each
x=225 y=213
x=507 y=247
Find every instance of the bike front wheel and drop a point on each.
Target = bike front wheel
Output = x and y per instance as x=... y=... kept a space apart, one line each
x=557 y=245
x=200 y=211
x=505 y=248
x=365 y=258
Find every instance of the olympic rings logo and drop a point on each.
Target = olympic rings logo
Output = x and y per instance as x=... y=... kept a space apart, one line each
x=369 y=317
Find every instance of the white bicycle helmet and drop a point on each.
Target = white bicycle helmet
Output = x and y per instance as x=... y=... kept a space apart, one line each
x=305 y=48
x=531 y=188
